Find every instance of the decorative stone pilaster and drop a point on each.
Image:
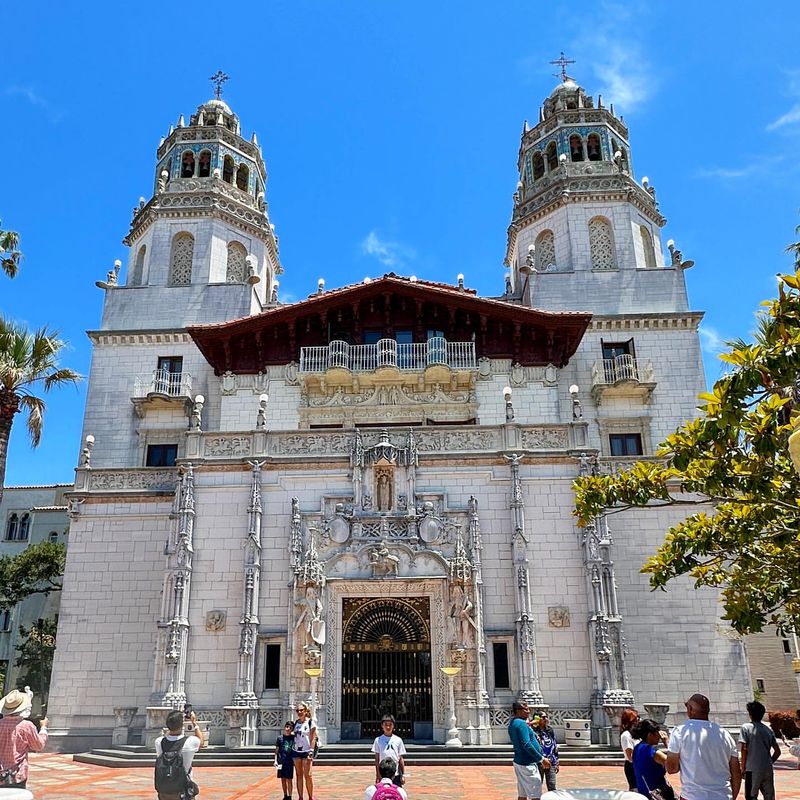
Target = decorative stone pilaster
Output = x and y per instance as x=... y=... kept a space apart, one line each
x=657 y=712
x=178 y=586
x=245 y=694
x=123 y=717
x=526 y=634
x=155 y=720
x=614 y=713
x=242 y=726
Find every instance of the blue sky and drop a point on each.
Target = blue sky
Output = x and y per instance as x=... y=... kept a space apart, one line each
x=390 y=132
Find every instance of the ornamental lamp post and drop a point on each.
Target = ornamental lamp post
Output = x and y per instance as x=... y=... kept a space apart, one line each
x=313 y=673
x=453 y=740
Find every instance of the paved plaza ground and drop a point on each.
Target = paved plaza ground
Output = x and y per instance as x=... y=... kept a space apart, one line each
x=57 y=777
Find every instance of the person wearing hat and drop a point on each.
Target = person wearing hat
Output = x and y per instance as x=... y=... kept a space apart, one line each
x=18 y=736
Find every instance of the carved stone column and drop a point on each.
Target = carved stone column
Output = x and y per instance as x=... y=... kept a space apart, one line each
x=611 y=689
x=179 y=580
x=526 y=634
x=242 y=728
x=245 y=694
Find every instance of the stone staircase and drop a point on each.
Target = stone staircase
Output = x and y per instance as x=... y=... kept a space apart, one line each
x=352 y=754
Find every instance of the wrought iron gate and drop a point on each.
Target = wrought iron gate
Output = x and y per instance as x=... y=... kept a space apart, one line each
x=386 y=667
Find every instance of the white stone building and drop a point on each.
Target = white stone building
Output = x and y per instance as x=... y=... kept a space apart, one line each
x=339 y=497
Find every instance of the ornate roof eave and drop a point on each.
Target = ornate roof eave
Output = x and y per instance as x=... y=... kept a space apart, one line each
x=572 y=324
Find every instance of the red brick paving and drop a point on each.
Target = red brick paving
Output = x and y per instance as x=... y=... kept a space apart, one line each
x=57 y=777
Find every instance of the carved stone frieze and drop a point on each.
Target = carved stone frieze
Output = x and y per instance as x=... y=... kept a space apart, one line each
x=131 y=480
x=296 y=444
x=383 y=396
x=545 y=438
x=227 y=446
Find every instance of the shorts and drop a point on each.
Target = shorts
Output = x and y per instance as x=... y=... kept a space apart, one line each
x=762 y=781
x=297 y=754
x=529 y=780
x=286 y=770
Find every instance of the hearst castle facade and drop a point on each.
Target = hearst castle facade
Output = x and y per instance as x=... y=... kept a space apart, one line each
x=335 y=499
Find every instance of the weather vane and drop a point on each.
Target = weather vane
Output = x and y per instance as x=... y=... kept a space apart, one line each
x=219 y=79
x=562 y=62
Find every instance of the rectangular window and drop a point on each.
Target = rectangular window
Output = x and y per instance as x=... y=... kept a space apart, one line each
x=434 y=333
x=372 y=335
x=500 y=657
x=3 y=675
x=625 y=444
x=5 y=620
x=173 y=364
x=759 y=685
x=272 y=666
x=787 y=646
x=161 y=455
x=614 y=349
x=404 y=337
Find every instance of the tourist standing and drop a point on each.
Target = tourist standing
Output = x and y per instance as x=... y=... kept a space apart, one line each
x=547 y=740
x=649 y=762
x=390 y=745
x=527 y=753
x=174 y=755
x=385 y=787
x=630 y=716
x=704 y=754
x=18 y=737
x=759 y=751
x=284 y=762
x=305 y=737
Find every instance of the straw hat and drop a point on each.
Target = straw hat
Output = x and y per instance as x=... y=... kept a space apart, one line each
x=15 y=702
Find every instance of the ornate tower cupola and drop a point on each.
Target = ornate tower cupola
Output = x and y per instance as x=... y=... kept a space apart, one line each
x=580 y=214
x=206 y=224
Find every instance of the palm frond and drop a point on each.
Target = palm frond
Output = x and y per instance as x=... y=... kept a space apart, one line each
x=35 y=408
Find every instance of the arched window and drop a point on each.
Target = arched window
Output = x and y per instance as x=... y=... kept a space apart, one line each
x=168 y=169
x=242 y=177
x=187 y=164
x=227 y=169
x=601 y=244
x=210 y=120
x=12 y=526
x=180 y=271
x=237 y=265
x=593 y=149
x=552 y=156
x=538 y=166
x=575 y=148
x=545 y=251
x=647 y=247
x=137 y=278
x=24 y=527
x=204 y=164
x=53 y=536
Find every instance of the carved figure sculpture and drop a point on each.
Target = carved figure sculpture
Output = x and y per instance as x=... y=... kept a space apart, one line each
x=461 y=621
x=384 y=485
x=310 y=619
x=382 y=561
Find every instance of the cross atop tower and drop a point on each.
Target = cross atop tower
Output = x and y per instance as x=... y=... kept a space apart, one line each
x=220 y=77
x=562 y=62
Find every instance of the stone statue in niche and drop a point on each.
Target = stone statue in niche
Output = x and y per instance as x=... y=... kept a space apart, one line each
x=461 y=620
x=310 y=618
x=382 y=561
x=558 y=617
x=215 y=620
x=384 y=488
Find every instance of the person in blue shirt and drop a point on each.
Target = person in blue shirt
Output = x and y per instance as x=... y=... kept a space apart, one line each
x=528 y=755
x=649 y=762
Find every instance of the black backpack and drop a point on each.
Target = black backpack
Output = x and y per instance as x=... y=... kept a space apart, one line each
x=170 y=774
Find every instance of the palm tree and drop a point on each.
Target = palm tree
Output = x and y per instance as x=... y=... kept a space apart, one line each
x=10 y=256
x=27 y=360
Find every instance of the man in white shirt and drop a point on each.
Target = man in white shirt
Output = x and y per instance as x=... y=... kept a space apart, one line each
x=385 y=789
x=175 y=726
x=704 y=754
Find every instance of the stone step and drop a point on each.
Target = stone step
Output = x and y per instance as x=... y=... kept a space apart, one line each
x=349 y=755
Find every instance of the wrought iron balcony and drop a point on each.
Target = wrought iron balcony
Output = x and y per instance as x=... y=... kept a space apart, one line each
x=622 y=376
x=411 y=357
x=161 y=387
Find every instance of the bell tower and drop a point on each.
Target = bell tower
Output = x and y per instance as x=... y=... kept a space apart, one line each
x=584 y=233
x=202 y=248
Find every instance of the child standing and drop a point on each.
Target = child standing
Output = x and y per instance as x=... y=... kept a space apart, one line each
x=283 y=759
x=390 y=745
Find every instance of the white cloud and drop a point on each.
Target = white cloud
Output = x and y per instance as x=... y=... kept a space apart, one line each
x=389 y=253
x=789 y=118
x=35 y=99
x=711 y=341
x=751 y=166
x=792 y=116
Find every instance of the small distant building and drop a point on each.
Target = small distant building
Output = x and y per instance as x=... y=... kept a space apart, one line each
x=29 y=515
x=775 y=667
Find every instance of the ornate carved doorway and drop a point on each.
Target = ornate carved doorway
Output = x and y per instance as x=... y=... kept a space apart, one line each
x=386 y=666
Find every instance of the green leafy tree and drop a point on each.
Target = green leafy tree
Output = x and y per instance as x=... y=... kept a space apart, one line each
x=28 y=363
x=735 y=456
x=35 y=660
x=10 y=256
x=36 y=570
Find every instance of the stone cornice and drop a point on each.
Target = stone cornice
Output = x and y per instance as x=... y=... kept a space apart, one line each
x=174 y=336
x=687 y=320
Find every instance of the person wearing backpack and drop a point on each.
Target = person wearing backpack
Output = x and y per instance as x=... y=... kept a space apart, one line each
x=174 y=756
x=385 y=788
x=18 y=737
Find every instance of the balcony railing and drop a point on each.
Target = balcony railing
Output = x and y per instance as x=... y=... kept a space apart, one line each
x=164 y=383
x=624 y=368
x=411 y=357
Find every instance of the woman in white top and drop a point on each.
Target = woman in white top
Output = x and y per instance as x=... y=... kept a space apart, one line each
x=305 y=737
x=630 y=716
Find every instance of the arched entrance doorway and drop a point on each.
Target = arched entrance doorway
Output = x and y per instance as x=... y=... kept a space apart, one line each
x=386 y=666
